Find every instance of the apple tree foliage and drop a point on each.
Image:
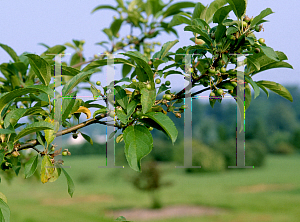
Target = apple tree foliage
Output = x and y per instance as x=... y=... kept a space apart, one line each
x=27 y=87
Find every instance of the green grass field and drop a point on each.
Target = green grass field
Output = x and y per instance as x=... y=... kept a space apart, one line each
x=269 y=193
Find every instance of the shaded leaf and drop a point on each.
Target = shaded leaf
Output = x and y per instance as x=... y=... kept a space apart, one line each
x=71 y=186
x=30 y=166
x=40 y=67
x=138 y=143
x=277 y=88
x=166 y=123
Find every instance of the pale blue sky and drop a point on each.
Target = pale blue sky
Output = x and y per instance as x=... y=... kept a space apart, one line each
x=24 y=24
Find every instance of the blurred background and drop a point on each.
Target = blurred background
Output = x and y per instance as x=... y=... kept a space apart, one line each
x=269 y=192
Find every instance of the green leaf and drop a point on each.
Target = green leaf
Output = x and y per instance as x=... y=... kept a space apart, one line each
x=203 y=35
x=253 y=62
x=178 y=20
x=4 y=211
x=109 y=33
x=49 y=134
x=212 y=102
x=41 y=139
x=10 y=51
x=143 y=64
x=41 y=68
x=238 y=7
x=125 y=70
x=277 y=88
x=6 y=131
x=2 y=196
x=104 y=7
x=267 y=63
x=122 y=116
x=147 y=99
x=131 y=107
x=115 y=26
x=121 y=97
x=220 y=32
x=71 y=186
x=87 y=138
x=34 y=127
x=198 y=10
x=166 y=123
x=221 y=14
x=212 y=8
x=30 y=166
x=258 y=18
x=263 y=88
x=57 y=49
x=276 y=65
x=103 y=62
x=176 y=8
x=166 y=48
x=13 y=117
x=67 y=106
x=138 y=143
x=268 y=51
x=254 y=86
x=247 y=97
x=75 y=81
x=43 y=44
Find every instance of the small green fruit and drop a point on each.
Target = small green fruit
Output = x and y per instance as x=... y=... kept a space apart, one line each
x=1 y=122
x=128 y=36
x=234 y=84
x=257 y=50
x=148 y=86
x=261 y=40
x=223 y=70
x=220 y=92
x=221 y=62
x=98 y=83
x=212 y=70
x=168 y=97
x=231 y=37
x=206 y=65
x=257 y=28
x=157 y=81
x=138 y=112
x=131 y=47
x=69 y=116
x=167 y=83
x=244 y=24
x=64 y=153
x=112 y=114
x=150 y=128
x=212 y=94
x=233 y=60
x=133 y=80
x=22 y=107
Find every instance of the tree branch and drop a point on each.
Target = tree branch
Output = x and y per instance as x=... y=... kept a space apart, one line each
x=33 y=143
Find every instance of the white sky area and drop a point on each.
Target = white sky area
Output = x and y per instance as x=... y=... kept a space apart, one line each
x=24 y=24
